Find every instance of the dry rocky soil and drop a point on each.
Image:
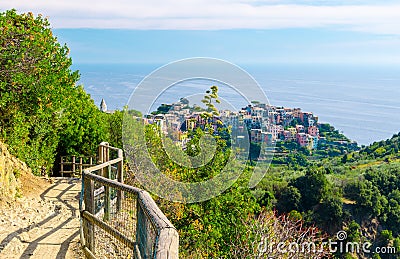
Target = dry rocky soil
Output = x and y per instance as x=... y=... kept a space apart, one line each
x=43 y=222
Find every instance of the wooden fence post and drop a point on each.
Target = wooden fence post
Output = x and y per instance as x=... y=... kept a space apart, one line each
x=62 y=166
x=80 y=165
x=73 y=165
x=107 y=196
x=100 y=154
x=89 y=207
x=104 y=156
x=107 y=155
x=108 y=152
x=101 y=157
x=120 y=178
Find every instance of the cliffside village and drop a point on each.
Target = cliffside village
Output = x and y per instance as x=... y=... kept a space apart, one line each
x=266 y=123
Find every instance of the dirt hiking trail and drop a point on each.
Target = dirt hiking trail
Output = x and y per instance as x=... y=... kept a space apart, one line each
x=44 y=223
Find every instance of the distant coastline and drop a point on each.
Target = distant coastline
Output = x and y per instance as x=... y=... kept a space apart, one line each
x=359 y=101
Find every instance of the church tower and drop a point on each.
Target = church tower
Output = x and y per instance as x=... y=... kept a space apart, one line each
x=103 y=106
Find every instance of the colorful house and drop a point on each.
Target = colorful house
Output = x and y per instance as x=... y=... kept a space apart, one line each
x=312 y=142
x=302 y=139
x=313 y=131
x=300 y=129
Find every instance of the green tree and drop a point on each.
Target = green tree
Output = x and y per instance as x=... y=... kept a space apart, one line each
x=115 y=128
x=385 y=237
x=290 y=199
x=297 y=160
x=330 y=212
x=42 y=111
x=396 y=245
x=312 y=186
x=393 y=211
x=35 y=79
x=85 y=126
x=353 y=232
x=209 y=99
x=369 y=199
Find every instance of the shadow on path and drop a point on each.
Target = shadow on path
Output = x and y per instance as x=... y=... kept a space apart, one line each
x=52 y=237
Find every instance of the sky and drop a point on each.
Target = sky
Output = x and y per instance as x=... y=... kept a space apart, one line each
x=240 y=31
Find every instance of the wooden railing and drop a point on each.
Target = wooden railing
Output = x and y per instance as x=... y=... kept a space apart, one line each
x=120 y=220
x=71 y=165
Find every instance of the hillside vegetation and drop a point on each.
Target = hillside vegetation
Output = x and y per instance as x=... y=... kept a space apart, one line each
x=358 y=192
x=43 y=113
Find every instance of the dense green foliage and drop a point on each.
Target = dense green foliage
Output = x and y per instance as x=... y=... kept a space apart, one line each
x=378 y=194
x=342 y=192
x=289 y=152
x=351 y=192
x=205 y=228
x=387 y=148
x=43 y=114
x=330 y=133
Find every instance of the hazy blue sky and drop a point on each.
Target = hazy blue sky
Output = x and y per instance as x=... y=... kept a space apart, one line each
x=237 y=45
x=240 y=31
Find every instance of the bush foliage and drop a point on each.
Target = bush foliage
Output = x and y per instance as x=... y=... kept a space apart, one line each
x=43 y=113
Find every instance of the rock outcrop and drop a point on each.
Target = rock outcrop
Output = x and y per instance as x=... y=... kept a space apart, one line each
x=11 y=169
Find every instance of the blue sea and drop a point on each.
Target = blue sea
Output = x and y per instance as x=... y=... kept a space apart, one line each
x=361 y=101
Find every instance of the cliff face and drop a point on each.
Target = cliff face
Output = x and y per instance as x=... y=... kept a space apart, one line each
x=11 y=169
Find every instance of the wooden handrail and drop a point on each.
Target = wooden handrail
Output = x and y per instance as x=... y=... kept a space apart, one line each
x=110 y=183
x=103 y=165
x=105 y=144
x=164 y=243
